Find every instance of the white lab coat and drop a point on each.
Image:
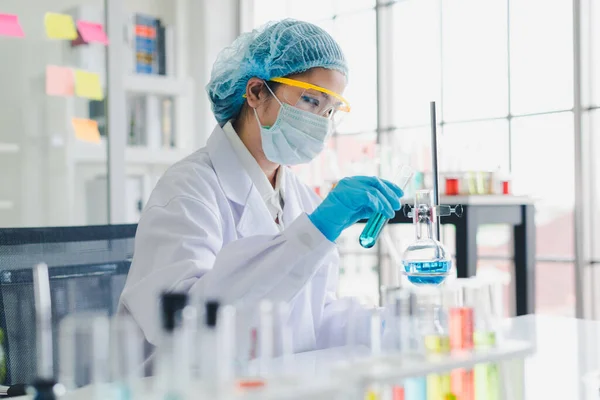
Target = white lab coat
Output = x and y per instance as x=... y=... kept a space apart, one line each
x=207 y=231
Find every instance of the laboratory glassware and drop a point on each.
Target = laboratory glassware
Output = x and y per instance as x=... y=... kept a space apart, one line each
x=44 y=387
x=375 y=391
x=392 y=331
x=488 y=314
x=84 y=352
x=436 y=339
x=217 y=343
x=266 y=339
x=460 y=298
x=411 y=342
x=427 y=261
x=376 y=223
x=209 y=345
x=284 y=340
x=172 y=362
x=126 y=357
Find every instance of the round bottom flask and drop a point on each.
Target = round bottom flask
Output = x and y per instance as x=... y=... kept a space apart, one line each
x=426 y=261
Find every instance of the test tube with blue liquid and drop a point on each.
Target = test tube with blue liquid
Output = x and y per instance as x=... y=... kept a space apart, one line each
x=375 y=224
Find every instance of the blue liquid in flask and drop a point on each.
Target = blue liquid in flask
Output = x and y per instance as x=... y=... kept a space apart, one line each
x=372 y=230
x=427 y=272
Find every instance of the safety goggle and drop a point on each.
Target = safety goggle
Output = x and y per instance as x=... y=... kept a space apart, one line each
x=314 y=99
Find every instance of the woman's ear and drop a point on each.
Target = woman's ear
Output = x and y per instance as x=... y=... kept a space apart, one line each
x=254 y=92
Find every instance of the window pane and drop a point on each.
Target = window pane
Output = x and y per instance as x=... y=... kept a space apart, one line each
x=356 y=154
x=475 y=70
x=345 y=6
x=48 y=176
x=269 y=10
x=410 y=146
x=555 y=289
x=541 y=52
x=416 y=80
x=474 y=146
x=592 y=126
x=543 y=167
x=359 y=46
x=311 y=10
x=593 y=66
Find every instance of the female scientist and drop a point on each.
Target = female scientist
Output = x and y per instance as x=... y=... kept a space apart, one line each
x=231 y=221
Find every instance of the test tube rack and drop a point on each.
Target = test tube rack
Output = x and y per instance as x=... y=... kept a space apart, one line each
x=352 y=369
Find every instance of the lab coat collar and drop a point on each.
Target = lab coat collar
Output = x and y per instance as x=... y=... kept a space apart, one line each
x=235 y=182
x=238 y=187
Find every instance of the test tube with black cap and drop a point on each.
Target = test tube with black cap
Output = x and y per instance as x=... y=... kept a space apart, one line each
x=172 y=350
x=208 y=361
x=217 y=355
x=45 y=387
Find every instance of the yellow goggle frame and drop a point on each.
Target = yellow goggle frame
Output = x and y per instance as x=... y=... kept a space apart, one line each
x=304 y=85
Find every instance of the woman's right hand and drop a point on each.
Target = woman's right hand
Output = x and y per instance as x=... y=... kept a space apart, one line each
x=353 y=199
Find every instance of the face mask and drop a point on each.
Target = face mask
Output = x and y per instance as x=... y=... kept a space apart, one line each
x=296 y=137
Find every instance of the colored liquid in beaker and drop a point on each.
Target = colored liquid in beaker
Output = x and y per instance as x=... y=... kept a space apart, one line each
x=427 y=272
x=372 y=230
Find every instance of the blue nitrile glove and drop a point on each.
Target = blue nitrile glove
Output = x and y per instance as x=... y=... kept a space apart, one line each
x=354 y=199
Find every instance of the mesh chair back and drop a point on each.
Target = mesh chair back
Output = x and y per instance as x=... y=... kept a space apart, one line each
x=87 y=269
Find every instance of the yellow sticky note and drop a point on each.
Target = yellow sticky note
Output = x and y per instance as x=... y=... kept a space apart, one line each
x=86 y=130
x=87 y=84
x=60 y=26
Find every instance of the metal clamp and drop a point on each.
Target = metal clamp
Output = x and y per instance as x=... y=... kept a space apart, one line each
x=441 y=211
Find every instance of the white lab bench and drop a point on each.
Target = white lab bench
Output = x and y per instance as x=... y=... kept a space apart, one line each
x=566 y=349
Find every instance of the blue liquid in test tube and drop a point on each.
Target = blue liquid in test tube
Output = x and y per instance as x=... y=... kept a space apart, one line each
x=372 y=230
x=375 y=224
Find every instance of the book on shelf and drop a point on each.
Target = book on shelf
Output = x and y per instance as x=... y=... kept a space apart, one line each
x=151 y=45
x=151 y=121
x=167 y=118
x=136 y=119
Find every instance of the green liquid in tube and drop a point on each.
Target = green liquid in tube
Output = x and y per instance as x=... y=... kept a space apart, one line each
x=438 y=385
x=487 y=376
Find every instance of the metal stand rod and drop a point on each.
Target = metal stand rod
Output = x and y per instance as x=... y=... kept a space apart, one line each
x=434 y=160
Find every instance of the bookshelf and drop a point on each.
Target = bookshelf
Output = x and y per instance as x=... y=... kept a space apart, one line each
x=46 y=171
x=79 y=168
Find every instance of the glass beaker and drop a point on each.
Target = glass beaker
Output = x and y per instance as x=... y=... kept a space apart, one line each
x=426 y=261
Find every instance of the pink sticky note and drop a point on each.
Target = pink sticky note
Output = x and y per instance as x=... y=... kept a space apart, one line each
x=10 y=26
x=92 y=32
x=60 y=81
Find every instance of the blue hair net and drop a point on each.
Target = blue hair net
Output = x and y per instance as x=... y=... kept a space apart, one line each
x=277 y=49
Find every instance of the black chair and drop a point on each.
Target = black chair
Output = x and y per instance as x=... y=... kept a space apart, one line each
x=87 y=268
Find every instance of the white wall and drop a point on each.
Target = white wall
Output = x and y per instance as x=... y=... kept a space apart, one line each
x=217 y=25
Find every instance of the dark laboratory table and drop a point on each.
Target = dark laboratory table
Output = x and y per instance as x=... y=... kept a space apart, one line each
x=517 y=211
